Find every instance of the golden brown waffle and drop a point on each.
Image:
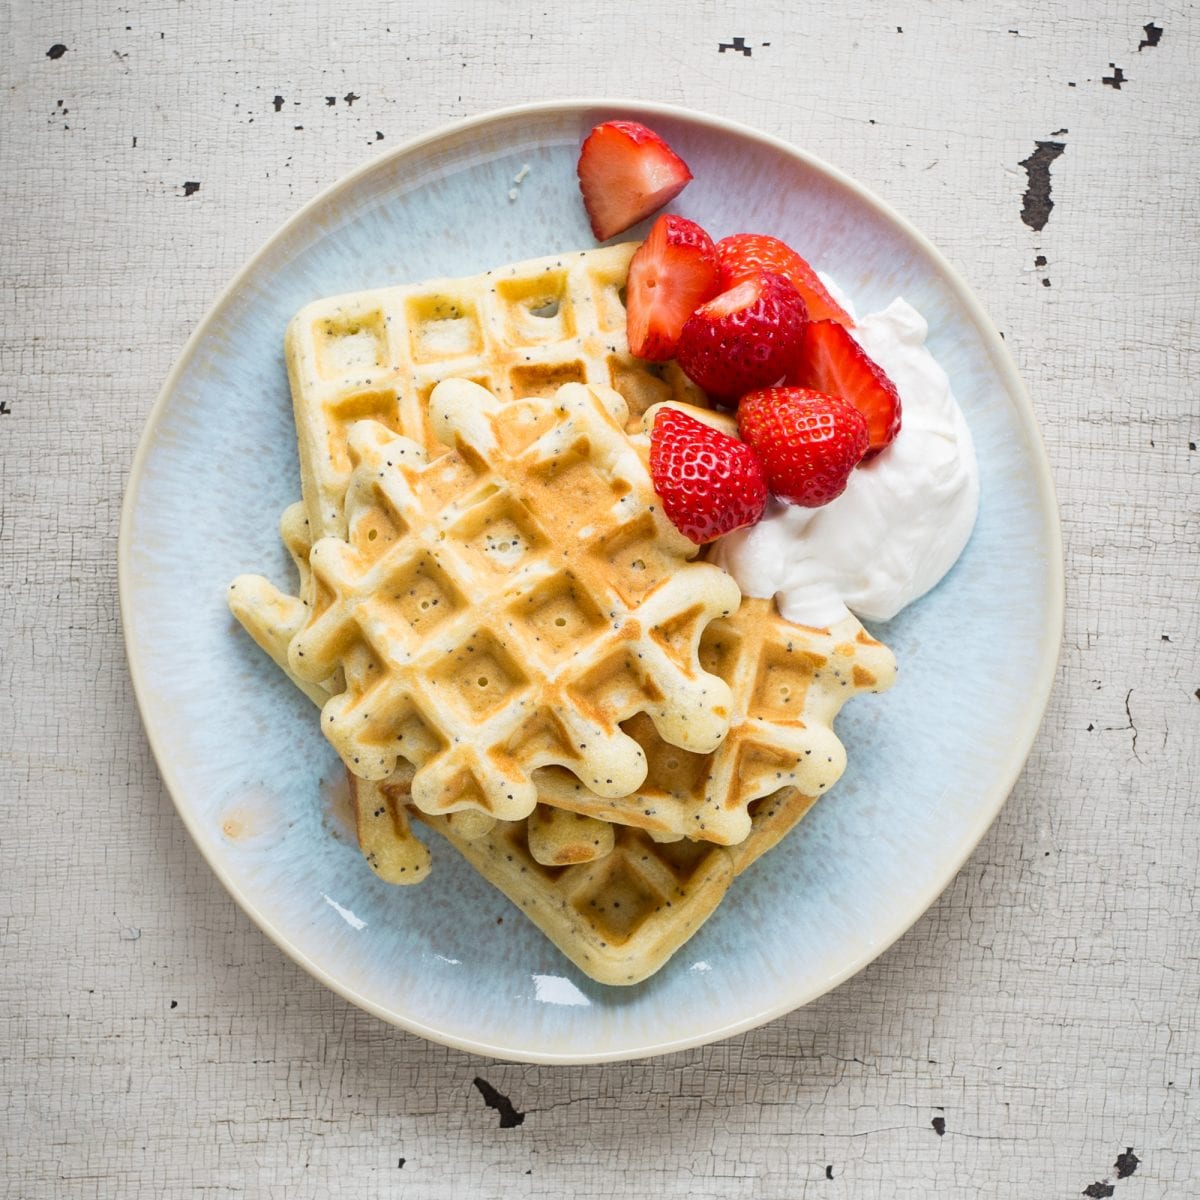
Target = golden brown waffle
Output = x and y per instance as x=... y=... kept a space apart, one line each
x=618 y=910
x=618 y=918
x=788 y=683
x=520 y=330
x=621 y=918
x=556 y=837
x=486 y=628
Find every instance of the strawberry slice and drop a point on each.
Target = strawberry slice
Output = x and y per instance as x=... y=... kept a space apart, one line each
x=626 y=172
x=831 y=361
x=673 y=272
x=742 y=254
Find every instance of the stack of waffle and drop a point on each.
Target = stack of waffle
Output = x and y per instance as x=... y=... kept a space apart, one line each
x=508 y=639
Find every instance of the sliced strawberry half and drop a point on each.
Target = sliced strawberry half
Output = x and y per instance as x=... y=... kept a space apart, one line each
x=673 y=272
x=626 y=172
x=742 y=254
x=831 y=361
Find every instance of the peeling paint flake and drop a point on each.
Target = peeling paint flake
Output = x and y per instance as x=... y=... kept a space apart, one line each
x=1036 y=203
x=1127 y=1163
x=510 y=1118
x=738 y=45
x=1153 y=36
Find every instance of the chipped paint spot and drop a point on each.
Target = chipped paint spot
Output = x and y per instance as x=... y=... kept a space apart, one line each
x=56 y=51
x=1153 y=36
x=1036 y=203
x=1115 y=79
x=1126 y=1163
x=510 y=1118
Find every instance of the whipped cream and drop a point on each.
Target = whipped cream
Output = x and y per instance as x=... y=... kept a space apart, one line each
x=904 y=517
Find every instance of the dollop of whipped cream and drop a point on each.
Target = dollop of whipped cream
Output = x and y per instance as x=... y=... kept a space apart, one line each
x=904 y=517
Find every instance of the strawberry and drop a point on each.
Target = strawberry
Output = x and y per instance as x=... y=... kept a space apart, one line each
x=710 y=483
x=808 y=442
x=741 y=254
x=832 y=361
x=673 y=271
x=745 y=338
x=626 y=172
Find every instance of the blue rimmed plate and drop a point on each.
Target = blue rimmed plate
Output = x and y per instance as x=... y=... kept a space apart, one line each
x=930 y=762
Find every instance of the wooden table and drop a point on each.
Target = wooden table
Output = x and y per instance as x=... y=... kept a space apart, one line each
x=1036 y=1034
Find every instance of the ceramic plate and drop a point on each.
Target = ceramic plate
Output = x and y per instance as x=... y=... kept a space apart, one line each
x=256 y=785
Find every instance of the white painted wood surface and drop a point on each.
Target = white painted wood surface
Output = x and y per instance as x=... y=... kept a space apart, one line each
x=153 y=1042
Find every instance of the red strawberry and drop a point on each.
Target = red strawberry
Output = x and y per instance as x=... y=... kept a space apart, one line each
x=673 y=272
x=626 y=172
x=808 y=442
x=745 y=338
x=833 y=362
x=741 y=254
x=710 y=483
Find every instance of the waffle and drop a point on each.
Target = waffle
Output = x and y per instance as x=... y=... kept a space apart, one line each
x=617 y=918
x=619 y=909
x=520 y=330
x=485 y=628
x=788 y=684
x=620 y=916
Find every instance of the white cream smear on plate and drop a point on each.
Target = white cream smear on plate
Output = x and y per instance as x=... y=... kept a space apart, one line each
x=905 y=515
